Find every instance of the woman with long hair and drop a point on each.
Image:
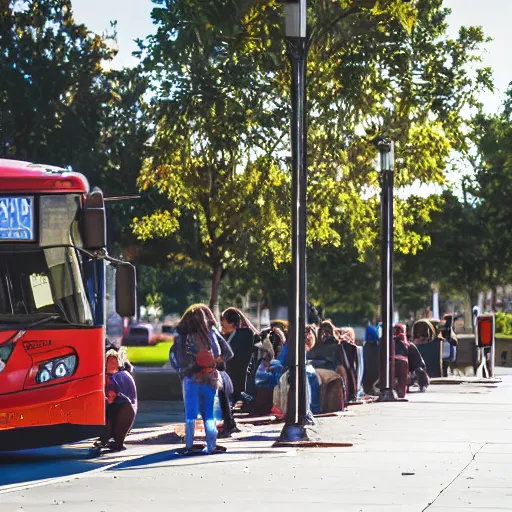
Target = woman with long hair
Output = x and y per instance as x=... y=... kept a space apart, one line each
x=237 y=317
x=194 y=355
x=239 y=333
x=330 y=354
x=225 y=392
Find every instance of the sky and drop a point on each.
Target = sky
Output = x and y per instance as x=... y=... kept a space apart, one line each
x=134 y=21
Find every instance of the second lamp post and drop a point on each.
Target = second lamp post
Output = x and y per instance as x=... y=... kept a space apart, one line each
x=387 y=348
x=297 y=45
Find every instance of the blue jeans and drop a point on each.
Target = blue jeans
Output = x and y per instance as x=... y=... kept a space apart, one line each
x=314 y=390
x=199 y=397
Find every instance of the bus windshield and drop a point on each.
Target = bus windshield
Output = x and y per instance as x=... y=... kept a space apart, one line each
x=43 y=282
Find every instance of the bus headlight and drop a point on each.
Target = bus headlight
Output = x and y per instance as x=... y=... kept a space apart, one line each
x=55 y=369
x=44 y=376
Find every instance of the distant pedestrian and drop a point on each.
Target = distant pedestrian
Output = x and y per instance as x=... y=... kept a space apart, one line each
x=401 y=359
x=476 y=312
x=313 y=316
x=371 y=334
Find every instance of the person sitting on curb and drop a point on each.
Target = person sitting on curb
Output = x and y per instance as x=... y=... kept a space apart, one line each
x=239 y=333
x=121 y=396
x=267 y=373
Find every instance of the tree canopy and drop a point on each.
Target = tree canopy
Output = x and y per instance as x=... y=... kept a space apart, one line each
x=52 y=87
x=221 y=110
x=203 y=125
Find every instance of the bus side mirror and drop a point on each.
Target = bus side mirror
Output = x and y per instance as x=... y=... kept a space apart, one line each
x=95 y=221
x=126 y=290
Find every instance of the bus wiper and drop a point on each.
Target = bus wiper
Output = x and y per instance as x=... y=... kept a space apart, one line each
x=24 y=327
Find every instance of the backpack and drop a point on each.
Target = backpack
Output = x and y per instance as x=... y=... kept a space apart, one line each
x=189 y=359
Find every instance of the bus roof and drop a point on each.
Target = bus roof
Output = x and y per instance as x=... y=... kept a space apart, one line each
x=25 y=177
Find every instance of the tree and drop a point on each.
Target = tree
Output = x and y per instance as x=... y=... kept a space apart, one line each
x=51 y=92
x=212 y=155
x=221 y=112
x=120 y=151
x=455 y=257
x=492 y=189
x=60 y=105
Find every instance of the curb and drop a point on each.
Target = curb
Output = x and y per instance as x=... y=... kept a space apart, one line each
x=465 y=380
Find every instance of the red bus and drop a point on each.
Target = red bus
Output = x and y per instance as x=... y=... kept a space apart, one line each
x=52 y=306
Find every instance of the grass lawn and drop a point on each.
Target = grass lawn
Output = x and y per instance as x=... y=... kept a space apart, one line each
x=504 y=336
x=156 y=355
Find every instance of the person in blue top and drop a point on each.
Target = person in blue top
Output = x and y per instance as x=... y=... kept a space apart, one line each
x=371 y=333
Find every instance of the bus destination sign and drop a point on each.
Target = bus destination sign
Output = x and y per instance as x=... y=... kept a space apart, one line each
x=17 y=219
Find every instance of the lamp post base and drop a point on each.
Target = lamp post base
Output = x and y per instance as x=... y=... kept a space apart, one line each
x=387 y=395
x=293 y=434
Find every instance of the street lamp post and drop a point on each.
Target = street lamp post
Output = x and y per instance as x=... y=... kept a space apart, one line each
x=297 y=46
x=387 y=348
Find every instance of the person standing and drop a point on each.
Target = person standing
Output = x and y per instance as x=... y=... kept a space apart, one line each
x=225 y=392
x=313 y=317
x=193 y=355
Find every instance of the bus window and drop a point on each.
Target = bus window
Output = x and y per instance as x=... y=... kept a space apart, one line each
x=42 y=281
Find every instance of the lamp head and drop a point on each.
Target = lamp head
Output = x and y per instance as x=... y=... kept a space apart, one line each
x=295 y=18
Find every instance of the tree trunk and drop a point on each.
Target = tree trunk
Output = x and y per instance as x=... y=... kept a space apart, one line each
x=214 y=297
x=494 y=297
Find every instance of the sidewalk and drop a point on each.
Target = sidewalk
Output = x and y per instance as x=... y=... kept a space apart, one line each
x=449 y=449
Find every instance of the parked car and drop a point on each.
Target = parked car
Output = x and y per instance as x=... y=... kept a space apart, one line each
x=139 y=335
x=169 y=330
x=144 y=335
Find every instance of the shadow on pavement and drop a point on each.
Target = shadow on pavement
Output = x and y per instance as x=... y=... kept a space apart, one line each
x=161 y=439
x=259 y=437
x=155 y=460
x=28 y=466
x=154 y=413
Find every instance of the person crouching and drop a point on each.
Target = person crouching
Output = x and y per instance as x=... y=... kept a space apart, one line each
x=121 y=396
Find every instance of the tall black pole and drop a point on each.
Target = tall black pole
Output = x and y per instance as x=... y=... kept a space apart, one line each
x=297 y=45
x=387 y=346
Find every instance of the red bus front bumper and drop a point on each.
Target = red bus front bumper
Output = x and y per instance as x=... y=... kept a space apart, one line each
x=52 y=415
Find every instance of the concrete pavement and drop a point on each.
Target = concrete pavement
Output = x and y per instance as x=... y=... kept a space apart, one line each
x=449 y=449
